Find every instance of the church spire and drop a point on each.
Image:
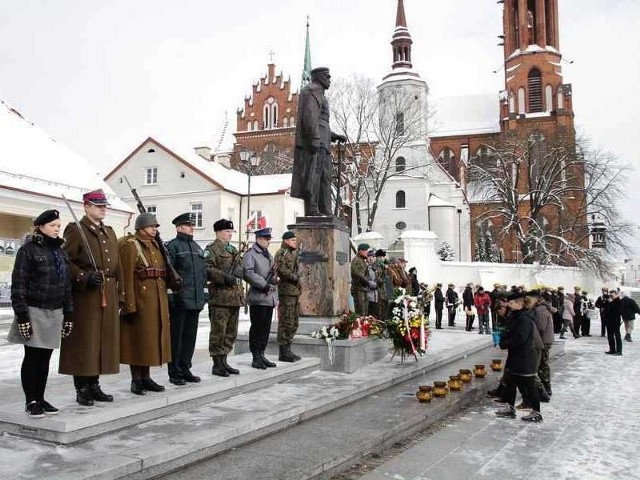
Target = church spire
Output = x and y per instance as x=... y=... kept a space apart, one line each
x=401 y=41
x=306 y=69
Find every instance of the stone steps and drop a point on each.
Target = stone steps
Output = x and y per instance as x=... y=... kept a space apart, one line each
x=76 y=423
x=146 y=449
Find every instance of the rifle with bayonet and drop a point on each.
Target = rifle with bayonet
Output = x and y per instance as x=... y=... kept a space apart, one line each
x=174 y=281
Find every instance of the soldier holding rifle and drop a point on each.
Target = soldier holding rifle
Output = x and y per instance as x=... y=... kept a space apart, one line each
x=260 y=274
x=94 y=347
x=224 y=272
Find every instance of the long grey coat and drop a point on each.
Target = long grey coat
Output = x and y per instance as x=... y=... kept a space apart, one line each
x=257 y=265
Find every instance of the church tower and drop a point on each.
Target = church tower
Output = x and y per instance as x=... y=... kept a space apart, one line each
x=534 y=88
x=402 y=93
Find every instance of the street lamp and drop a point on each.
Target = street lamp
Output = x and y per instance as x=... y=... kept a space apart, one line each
x=249 y=160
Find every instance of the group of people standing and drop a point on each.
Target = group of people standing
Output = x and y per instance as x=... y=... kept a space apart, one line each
x=106 y=301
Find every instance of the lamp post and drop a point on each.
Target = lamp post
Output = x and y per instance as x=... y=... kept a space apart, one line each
x=249 y=160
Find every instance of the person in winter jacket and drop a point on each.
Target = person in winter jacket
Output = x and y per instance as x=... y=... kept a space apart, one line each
x=612 y=315
x=260 y=272
x=629 y=309
x=42 y=302
x=452 y=304
x=467 y=305
x=567 y=317
x=521 y=359
x=544 y=325
x=482 y=302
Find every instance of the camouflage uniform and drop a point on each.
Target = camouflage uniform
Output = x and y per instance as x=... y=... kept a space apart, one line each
x=359 y=285
x=379 y=269
x=225 y=299
x=286 y=260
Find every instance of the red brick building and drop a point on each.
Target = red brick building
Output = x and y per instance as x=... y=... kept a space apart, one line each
x=535 y=101
x=265 y=124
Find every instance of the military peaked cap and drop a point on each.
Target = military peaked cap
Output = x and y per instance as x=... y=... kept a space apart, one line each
x=184 y=219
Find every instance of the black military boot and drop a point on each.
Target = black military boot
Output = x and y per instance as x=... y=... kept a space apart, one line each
x=83 y=396
x=543 y=394
x=137 y=387
x=295 y=356
x=98 y=395
x=218 y=367
x=151 y=386
x=285 y=354
x=229 y=368
x=266 y=361
x=508 y=412
x=257 y=361
x=547 y=387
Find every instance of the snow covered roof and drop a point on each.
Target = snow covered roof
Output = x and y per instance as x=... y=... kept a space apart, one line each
x=436 y=201
x=32 y=161
x=225 y=178
x=466 y=114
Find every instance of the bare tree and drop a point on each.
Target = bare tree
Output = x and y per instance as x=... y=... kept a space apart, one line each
x=377 y=127
x=542 y=192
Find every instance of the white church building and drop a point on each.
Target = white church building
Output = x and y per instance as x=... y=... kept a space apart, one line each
x=420 y=195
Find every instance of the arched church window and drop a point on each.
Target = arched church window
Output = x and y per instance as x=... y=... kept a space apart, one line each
x=401 y=164
x=534 y=82
x=512 y=103
x=274 y=115
x=400 y=123
x=448 y=160
x=401 y=200
x=548 y=98
x=292 y=121
x=560 y=100
x=521 y=101
x=266 y=121
x=249 y=124
x=285 y=122
x=255 y=124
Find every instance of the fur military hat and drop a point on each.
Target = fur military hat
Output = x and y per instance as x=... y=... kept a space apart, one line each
x=515 y=295
x=381 y=253
x=146 y=220
x=46 y=217
x=222 y=224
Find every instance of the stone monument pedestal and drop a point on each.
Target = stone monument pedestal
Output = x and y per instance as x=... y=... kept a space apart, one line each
x=324 y=270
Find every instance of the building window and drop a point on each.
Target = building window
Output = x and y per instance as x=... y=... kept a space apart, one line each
x=196 y=210
x=292 y=121
x=521 y=101
x=401 y=164
x=152 y=209
x=231 y=214
x=274 y=115
x=535 y=91
x=399 y=123
x=548 y=98
x=249 y=126
x=401 y=200
x=448 y=161
x=255 y=124
x=285 y=122
x=151 y=176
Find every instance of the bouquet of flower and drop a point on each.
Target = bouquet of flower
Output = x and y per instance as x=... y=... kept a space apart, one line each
x=408 y=328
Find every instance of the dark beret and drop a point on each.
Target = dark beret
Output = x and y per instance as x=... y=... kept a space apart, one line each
x=381 y=253
x=363 y=246
x=46 y=217
x=288 y=235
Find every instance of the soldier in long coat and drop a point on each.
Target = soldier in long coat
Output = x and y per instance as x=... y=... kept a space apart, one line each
x=94 y=347
x=360 y=280
x=144 y=333
x=224 y=272
x=311 y=179
x=286 y=260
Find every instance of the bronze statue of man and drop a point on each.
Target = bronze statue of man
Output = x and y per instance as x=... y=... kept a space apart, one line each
x=312 y=167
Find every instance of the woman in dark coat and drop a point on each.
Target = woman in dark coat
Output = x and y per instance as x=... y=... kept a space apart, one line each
x=42 y=303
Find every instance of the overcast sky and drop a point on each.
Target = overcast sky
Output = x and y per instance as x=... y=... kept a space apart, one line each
x=102 y=75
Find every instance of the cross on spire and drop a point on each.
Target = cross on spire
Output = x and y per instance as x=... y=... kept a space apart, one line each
x=271 y=54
